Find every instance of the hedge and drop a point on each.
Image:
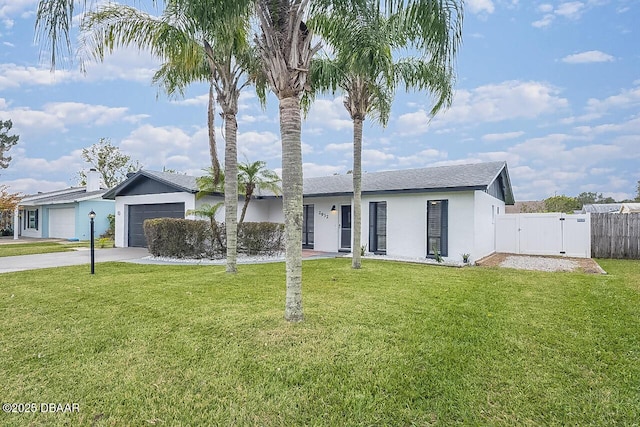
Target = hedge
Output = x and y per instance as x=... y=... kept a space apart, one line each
x=185 y=238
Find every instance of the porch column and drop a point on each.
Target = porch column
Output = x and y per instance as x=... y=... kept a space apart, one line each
x=16 y=223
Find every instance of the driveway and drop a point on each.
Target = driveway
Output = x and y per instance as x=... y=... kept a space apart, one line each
x=63 y=259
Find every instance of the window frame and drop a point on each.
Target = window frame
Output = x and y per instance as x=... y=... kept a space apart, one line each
x=443 y=229
x=374 y=234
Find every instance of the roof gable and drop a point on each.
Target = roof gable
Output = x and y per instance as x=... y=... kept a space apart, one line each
x=152 y=182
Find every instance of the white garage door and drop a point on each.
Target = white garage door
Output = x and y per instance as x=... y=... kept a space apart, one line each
x=62 y=223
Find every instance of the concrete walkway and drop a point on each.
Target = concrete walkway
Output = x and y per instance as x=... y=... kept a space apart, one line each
x=63 y=259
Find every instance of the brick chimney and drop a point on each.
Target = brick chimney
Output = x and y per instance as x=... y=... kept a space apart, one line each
x=93 y=180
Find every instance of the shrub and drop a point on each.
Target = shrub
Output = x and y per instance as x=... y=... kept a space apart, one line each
x=185 y=238
x=264 y=238
x=178 y=238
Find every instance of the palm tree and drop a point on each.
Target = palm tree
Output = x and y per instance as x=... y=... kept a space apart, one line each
x=195 y=47
x=367 y=65
x=286 y=48
x=209 y=211
x=255 y=176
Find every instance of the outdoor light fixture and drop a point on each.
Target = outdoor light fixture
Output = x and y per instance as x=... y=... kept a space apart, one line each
x=92 y=216
x=333 y=209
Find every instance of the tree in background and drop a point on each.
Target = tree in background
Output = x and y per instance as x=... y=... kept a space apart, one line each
x=638 y=192
x=6 y=142
x=586 y=198
x=107 y=159
x=562 y=203
x=8 y=203
x=255 y=176
x=369 y=59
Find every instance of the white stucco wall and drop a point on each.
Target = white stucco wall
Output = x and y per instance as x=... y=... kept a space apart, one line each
x=407 y=223
x=486 y=208
x=327 y=224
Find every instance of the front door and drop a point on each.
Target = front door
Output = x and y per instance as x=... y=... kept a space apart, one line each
x=345 y=228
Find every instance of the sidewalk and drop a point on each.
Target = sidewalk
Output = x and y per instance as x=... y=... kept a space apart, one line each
x=64 y=259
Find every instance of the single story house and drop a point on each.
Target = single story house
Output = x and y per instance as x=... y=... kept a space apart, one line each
x=600 y=208
x=64 y=213
x=630 y=207
x=405 y=213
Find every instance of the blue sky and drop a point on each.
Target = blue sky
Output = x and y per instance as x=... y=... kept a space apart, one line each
x=551 y=87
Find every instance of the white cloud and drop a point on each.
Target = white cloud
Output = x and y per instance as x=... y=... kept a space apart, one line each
x=267 y=144
x=124 y=64
x=376 y=157
x=480 y=6
x=625 y=99
x=544 y=22
x=421 y=158
x=490 y=103
x=330 y=115
x=200 y=100
x=311 y=170
x=346 y=146
x=588 y=57
x=501 y=136
x=32 y=185
x=545 y=8
x=571 y=10
x=12 y=8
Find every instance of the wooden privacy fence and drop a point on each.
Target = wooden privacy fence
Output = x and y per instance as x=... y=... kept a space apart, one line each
x=615 y=235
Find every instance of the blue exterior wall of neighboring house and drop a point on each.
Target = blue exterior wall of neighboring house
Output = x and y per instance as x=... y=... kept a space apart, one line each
x=102 y=208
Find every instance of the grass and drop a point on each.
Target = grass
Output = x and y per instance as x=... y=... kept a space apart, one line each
x=392 y=344
x=14 y=249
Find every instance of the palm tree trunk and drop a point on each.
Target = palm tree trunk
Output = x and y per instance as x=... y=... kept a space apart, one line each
x=247 y=199
x=357 y=193
x=213 y=151
x=231 y=190
x=290 y=124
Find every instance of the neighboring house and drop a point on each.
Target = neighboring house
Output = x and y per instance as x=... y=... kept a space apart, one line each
x=406 y=213
x=65 y=213
x=601 y=208
x=529 y=206
x=630 y=207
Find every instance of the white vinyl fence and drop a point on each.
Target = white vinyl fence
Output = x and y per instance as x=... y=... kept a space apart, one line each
x=544 y=234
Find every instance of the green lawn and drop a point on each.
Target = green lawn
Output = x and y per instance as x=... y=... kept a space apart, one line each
x=392 y=344
x=13 y=249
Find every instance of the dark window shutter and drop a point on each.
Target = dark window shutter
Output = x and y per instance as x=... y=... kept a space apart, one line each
x=37 y=210
x=445 y=228
x=372 y=226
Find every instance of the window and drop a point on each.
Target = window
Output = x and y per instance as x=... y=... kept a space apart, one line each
x=437 y=227
x=32 y=219
x=378 y=227
x=307 y=226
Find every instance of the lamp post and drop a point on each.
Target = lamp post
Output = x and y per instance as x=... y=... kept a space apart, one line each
x=92 y=215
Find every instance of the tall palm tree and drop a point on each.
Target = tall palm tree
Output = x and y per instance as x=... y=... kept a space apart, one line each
x=195 y=47
x=255 y=176
x=367 y=66
x=286 y=49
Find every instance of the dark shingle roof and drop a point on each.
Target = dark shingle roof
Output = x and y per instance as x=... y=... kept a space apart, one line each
x=186 y=182
x=468 y=176
x=474 y=176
